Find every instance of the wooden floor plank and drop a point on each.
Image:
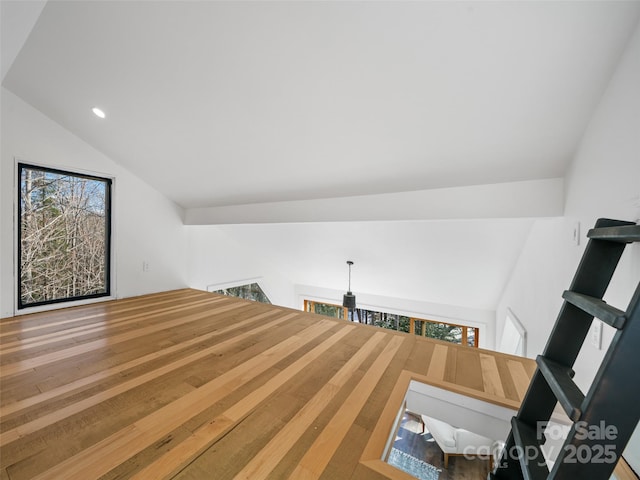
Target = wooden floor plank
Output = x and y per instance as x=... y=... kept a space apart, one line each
x=202 y=438
x=10 y=408
x=22 y=325
x=132 y=439
x=438 y=362
x=469 y=368
x=41 y=360
x=101 y=328
x=60 y=414
x=519 y=376
x=189 y=384
x=265 y=461
x=318 y=456
x=510 y=390
x=491 y=380
x=93 y=327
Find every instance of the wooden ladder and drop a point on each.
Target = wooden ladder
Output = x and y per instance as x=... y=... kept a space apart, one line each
x=604 y=418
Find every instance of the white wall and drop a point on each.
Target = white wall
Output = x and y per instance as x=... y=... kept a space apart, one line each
x=461 y=262
x=147 y=226
x=477 y=416
x=603 y=181
x=401 y=267
x=542 y=272
x=215 y=259
x=452 y=271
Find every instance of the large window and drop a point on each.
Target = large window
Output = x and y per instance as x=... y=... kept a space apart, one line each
x=449 y=332
x=64 y=230
x=250 y=291
x=328 y=309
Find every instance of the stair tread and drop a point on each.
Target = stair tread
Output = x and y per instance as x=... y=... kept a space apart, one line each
x=597 y=307
x=564 y=388
x=532 y=460
x=624 y=233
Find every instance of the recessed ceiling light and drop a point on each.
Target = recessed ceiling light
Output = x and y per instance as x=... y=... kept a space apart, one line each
x=98 y=113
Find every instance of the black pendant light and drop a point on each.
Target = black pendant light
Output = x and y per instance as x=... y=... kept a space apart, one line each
x=349 y=299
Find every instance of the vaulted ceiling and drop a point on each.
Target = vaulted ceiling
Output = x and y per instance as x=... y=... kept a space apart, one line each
x=222 y=103
x=227 y=106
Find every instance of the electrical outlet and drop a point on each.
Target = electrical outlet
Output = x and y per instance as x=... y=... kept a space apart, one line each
x=575 y=234
x=596 y=334
x=145 y=266
x=635 y=201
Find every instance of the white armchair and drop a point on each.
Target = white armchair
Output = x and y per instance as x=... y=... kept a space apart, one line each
x=457 y=441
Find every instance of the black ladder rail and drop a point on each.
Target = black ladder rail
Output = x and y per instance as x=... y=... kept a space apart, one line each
x=608 y=421
x=552 y=382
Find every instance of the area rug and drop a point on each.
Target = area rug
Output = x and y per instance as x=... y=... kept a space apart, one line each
x=412 y=465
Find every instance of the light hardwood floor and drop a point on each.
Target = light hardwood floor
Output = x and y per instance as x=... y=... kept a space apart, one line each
x=193 y=385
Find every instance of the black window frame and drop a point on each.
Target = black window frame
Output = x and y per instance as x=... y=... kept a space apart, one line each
x=108 y=235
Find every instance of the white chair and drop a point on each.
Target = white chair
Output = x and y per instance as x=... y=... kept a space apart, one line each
x=457 y=441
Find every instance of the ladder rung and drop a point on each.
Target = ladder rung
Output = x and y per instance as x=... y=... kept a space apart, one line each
x=596 y=307
x=622 y=234
x=564 y=388
x=532 y=461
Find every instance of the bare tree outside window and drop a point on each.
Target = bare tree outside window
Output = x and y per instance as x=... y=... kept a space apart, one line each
x=250 y=291
x=64 y=236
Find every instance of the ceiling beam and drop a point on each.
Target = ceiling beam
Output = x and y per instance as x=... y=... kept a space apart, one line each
x=526 y=199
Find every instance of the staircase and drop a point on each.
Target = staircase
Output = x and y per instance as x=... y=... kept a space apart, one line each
x=604 y=418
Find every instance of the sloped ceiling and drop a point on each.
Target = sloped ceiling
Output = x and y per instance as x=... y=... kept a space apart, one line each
x=17 y=20
x=222 y=103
